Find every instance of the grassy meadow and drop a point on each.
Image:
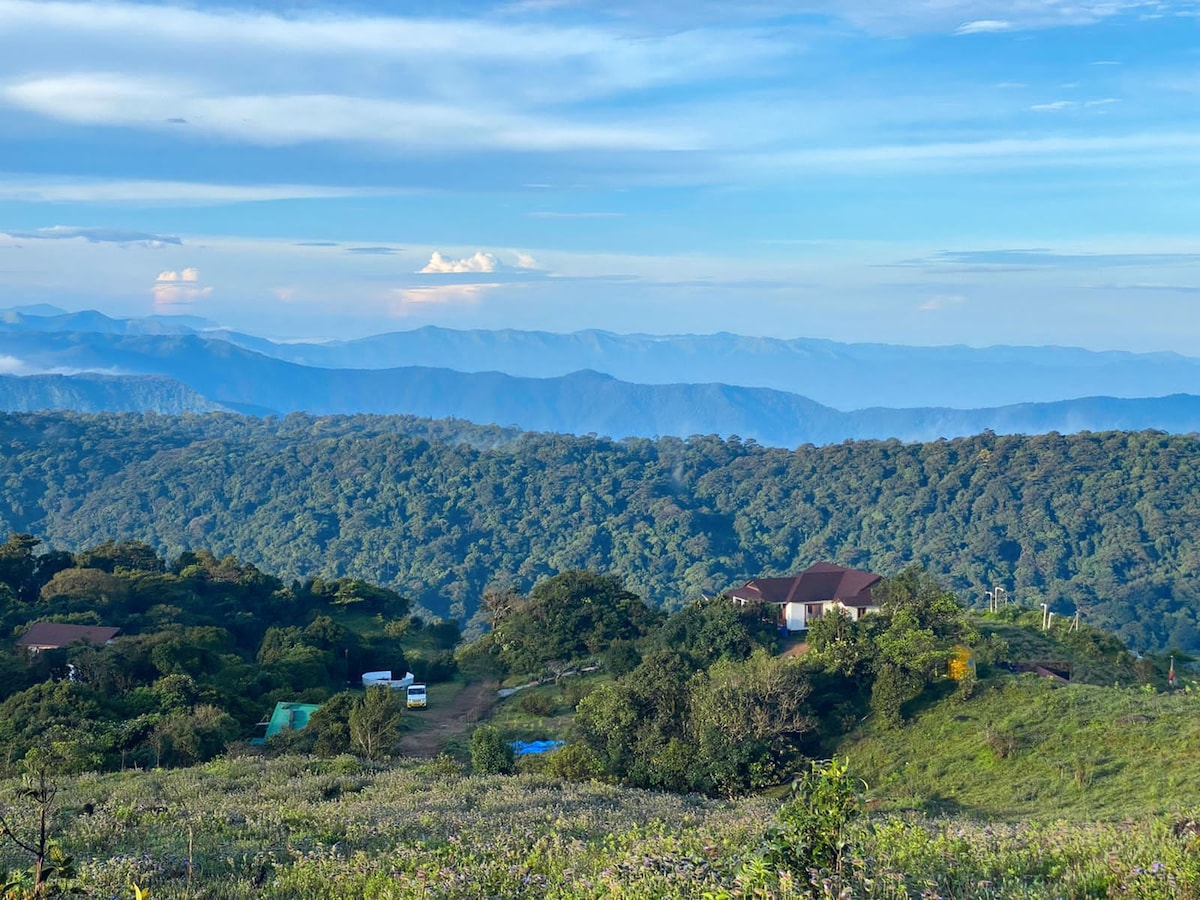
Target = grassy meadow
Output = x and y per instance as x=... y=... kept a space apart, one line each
x=342 y=829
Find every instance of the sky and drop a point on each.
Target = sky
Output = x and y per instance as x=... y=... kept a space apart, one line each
x=922 y=172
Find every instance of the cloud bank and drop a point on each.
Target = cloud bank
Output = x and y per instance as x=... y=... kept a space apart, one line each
x=173 y=289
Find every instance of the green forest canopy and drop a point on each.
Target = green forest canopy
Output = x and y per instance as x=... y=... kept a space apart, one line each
x=440 y=511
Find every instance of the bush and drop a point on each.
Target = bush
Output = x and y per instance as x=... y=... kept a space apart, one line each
x=535 y=704
x=814 y=829
x=574 y=762
x=491 y=753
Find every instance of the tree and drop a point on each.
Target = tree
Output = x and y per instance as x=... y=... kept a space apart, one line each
x=130 y=555
x=567 y=617
x=491 y=754
x=194 y=736
x=375 y=722
x=815 y=828
x=329 y=727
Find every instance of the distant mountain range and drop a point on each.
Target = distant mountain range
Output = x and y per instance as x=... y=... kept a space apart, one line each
x=690 y=384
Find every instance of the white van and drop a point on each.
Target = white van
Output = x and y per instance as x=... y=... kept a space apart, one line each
x=416 y=696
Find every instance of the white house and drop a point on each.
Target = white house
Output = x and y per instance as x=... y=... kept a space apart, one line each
x=804 y=598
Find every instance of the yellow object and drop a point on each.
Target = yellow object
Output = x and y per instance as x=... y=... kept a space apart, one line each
x=962 y=662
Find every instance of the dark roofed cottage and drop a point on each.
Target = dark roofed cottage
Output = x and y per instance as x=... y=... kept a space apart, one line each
x=52 y=635
x=806 y=597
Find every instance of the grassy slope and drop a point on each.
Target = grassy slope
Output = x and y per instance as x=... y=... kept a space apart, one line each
x=1026 y=748
x=342 y=830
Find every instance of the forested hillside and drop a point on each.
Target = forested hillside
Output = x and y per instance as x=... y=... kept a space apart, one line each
x=441 y=510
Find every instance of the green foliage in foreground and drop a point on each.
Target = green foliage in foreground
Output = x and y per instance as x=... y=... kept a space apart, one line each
x=340 y=829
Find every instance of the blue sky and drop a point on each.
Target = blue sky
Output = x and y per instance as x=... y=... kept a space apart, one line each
x=943 y=171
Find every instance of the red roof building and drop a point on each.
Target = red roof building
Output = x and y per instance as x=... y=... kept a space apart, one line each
x=806 y=597
x=52 y=635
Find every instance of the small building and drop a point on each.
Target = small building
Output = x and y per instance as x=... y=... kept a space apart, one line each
x=53 y=635
x=819 y=589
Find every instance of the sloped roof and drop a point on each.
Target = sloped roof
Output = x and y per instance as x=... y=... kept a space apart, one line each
x=57 y=634
x=290 y=717
x=819 y=583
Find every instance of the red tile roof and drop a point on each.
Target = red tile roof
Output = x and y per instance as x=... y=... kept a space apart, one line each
x=819 y=583
x=56 y=634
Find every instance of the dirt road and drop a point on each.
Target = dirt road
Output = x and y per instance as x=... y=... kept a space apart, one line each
x=439 y=724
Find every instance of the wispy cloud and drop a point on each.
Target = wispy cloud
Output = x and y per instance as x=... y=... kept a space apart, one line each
x=878 y=16
x=549 y=214
x=366 y=251
x=97 y=236
x=984 y=26
x=404 y=301
x=1032 y=258
x=281 y=119
x=1054 y=106
x=942 y=301
x=174 y=192
x=1066 y=105
x=415 y=84
x=1135 y=150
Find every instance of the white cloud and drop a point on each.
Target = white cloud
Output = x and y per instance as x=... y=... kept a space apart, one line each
x=984 y=26
x=178 y=288
x=1131 y=149
x=281 y=119
x=881 y=16
x=397 y=80
x=10 y=365
x=122 y=236
x=1064 y=105
x=549 y=214
x=942 y=301
x=405 y=300
x=91 y=191
x=477 y=262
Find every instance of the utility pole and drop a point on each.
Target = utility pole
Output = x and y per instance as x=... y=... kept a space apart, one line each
x=1045 y=616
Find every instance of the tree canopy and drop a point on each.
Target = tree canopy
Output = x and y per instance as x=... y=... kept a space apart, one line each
x=443 y=511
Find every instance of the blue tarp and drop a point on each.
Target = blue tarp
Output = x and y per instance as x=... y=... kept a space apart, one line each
x=524 y=748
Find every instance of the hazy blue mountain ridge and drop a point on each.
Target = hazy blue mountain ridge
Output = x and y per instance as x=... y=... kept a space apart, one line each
x=844 y=376
x=579 y=403
x=90 y=393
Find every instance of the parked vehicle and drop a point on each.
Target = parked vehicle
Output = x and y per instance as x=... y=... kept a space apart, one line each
x=416 y=698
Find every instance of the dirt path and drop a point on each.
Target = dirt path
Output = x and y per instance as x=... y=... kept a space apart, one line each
x=438 y=724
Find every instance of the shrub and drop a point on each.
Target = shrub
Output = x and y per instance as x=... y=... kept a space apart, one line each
x=535 y=704
x=814 y=829
x=574 y=762
x=491 y=753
